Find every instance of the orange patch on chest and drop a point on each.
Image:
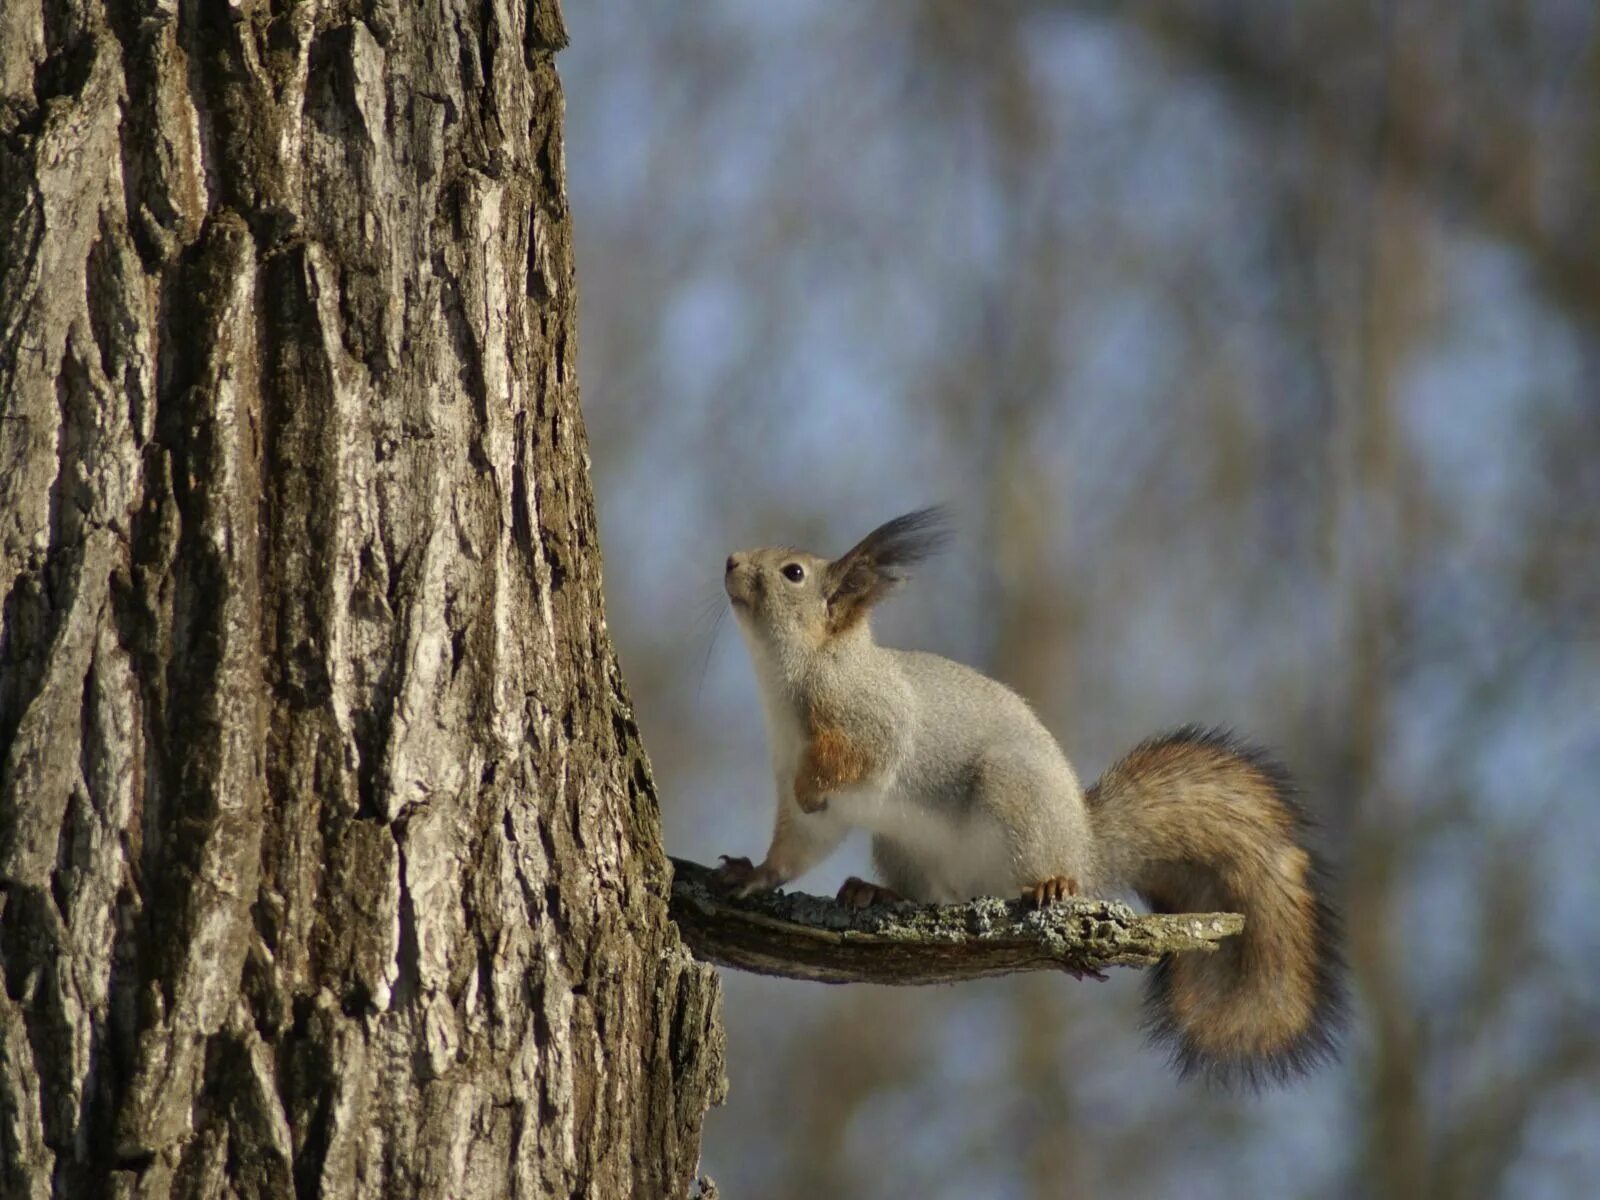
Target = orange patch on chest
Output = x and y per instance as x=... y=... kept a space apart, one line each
x=830 y=761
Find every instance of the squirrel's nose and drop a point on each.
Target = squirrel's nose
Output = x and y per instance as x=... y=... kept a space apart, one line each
x=733 y=561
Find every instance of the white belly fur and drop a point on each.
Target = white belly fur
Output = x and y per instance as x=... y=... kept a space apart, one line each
x=958 y=857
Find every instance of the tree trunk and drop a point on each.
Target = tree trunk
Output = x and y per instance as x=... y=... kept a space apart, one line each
x=329 y=857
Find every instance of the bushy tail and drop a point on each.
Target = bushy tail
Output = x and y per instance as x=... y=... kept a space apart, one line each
x=1194 y=821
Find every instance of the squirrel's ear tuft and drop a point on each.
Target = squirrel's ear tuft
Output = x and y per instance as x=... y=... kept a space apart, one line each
x=865 y=573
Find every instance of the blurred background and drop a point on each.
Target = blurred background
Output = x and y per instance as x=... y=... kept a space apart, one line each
x=1256 y=348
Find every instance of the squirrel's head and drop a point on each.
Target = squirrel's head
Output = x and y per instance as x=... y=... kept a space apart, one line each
x=790 y=600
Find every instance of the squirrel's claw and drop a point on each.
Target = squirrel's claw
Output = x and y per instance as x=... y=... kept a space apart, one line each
x=1048 y=891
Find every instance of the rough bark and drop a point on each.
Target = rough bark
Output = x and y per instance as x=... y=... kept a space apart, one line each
x=329 y=858
x=796 y=936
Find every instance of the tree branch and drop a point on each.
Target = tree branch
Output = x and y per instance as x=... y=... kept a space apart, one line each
x=798 y=936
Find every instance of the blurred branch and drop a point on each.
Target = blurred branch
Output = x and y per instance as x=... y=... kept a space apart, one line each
x=1483 y=176
x=798 y=936
x=1479 y=1155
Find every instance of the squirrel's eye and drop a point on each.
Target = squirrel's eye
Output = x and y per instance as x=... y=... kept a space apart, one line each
x=793 y=572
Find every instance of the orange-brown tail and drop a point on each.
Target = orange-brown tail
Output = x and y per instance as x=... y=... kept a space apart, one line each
x=1194 y=821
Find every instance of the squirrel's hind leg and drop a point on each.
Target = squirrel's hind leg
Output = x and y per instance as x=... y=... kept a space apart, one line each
x=858 y=893
x=1027 y=806
x=901 y=872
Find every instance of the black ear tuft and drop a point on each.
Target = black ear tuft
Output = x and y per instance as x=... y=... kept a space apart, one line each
x=908 y=540
x=863 y=575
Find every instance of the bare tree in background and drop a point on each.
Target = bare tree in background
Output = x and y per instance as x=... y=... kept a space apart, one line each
x=1290 y=313
x=329 y=861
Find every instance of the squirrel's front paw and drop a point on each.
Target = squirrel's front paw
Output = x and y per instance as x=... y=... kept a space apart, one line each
x=743 y=879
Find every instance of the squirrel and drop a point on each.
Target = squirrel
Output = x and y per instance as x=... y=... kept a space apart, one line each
x=967 y=794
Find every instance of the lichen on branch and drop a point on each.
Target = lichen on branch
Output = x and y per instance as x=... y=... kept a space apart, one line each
x=799 y=936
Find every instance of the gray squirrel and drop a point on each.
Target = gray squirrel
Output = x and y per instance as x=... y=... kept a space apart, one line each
x=967 y=794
